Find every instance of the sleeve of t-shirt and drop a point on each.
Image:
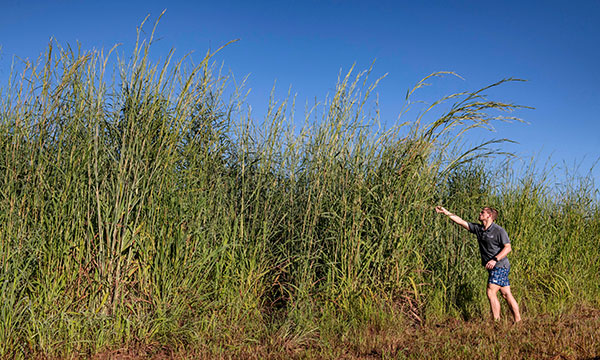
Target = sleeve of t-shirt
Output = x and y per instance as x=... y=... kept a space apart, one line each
x=504 y=237
x=472 y=227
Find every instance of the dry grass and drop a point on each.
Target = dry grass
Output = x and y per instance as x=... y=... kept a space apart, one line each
x=572 y=335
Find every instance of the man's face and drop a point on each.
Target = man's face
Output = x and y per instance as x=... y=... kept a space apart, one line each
x=484 y=215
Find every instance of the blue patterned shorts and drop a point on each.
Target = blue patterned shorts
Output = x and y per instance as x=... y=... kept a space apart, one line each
x=499 y=276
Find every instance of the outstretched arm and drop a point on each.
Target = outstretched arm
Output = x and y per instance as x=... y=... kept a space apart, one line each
x=453 y=217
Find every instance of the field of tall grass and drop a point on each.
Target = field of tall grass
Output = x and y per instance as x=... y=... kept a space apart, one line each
x=144 y=205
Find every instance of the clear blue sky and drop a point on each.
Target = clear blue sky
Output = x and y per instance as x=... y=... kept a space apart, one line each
x=553 y=44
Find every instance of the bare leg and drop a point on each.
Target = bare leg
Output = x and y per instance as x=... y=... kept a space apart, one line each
x=512 y=303
x=492 y=292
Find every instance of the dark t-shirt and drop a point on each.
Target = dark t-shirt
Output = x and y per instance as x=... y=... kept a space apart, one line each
x=491 y=242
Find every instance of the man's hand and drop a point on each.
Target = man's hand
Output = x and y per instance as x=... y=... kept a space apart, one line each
x=441 y=210
x=490 y=264
x=453 y=217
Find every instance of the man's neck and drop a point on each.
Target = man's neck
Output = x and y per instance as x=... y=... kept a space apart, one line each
x=487 y=224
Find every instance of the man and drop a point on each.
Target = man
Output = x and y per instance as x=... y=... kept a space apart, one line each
x=494 y=245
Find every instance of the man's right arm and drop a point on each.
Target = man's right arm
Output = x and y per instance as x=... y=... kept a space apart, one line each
x=457 y=219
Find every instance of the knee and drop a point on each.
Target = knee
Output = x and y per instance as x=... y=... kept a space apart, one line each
x=506 y=294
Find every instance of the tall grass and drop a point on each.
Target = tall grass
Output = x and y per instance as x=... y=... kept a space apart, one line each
x=154 y=209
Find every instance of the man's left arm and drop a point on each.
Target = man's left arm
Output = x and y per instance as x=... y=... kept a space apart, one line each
x=503 y=253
